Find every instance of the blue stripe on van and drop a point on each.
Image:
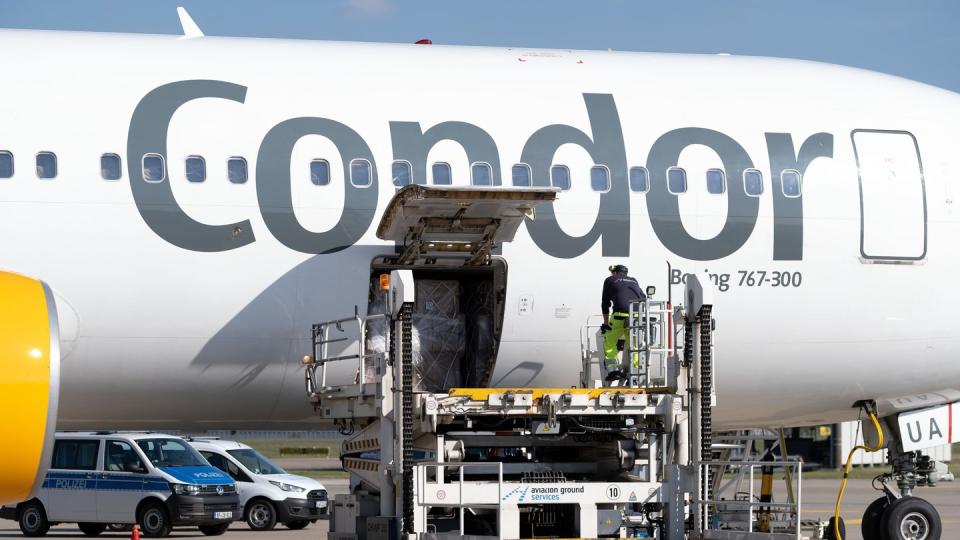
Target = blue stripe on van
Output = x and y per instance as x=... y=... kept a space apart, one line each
x=104 y=482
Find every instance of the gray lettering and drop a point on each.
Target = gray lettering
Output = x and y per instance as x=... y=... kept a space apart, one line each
x=910 y=434
x=155 y=201
x=410 y=143
x=612 y=225
x=276 y=198
x=664 y=208
x=788 y=211
x=935 y=429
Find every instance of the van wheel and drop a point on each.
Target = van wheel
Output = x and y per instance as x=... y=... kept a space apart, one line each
x=33 y=519
x=92 y=529
x=260 y=515
x=153 y=520
x=297 y=525
x=214 y=530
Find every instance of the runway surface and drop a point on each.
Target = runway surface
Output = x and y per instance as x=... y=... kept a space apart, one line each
x=818 y=499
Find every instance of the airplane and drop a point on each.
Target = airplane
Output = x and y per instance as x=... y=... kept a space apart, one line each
x=194 y=204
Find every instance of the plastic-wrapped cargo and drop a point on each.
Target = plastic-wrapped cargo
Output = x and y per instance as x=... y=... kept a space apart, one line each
x=440 y=297
x=376 y=338
x=438 y=351
x=478 y=307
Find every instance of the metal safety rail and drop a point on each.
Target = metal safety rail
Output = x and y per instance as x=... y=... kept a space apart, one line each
x=650 y=337
x=742 y=515
x=323 y=339
x=479 y=494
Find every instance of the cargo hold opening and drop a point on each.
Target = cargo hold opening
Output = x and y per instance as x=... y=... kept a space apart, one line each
x=457 y=322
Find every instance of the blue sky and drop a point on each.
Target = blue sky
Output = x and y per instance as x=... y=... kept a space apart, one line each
x=916 y=39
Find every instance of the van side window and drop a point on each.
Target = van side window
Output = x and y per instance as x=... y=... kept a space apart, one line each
x=75 y=454
x=600 y=178
x=481 y=175
x=716 y=181
x=121 y=457
x=639 y=179
x=46 y=165
x=226 y=466
x=6 y=164
x=752 y=182
x=237 y=170
x=110 y=167
x=320 y=172
x=196 y=169
x=790 y=181
x=154 y=170
x=521 y=175
x=441 y=174
x=402 y=172
x=676 y=180
x=560 y=177
x=360 y=173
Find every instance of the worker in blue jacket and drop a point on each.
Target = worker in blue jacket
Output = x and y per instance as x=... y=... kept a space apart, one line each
x=619 y=291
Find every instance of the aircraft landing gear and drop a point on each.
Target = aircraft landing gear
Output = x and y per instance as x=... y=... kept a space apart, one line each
x=898 y=515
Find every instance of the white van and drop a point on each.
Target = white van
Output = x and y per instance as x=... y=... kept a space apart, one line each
x=267 y=493
x=151 y=479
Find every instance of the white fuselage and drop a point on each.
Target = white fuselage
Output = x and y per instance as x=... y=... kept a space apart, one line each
x=159 y=335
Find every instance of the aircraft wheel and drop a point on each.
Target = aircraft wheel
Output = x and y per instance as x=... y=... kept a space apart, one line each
x=910 y=518
x=828 y=534
x=872 y=517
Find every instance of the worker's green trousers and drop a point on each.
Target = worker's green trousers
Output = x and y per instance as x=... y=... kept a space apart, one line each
x=618 y=323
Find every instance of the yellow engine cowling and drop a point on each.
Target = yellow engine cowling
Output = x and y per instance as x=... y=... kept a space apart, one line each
x=29 y=384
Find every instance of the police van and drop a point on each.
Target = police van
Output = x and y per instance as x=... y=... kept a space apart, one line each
x=150 y=479
x=268 y=495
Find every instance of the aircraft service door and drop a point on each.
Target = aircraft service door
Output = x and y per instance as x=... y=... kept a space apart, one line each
x=893 y=202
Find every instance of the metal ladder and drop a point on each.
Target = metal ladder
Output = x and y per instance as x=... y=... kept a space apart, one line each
x=649 y=338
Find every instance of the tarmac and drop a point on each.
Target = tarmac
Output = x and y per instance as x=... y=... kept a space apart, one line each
x=819 y=496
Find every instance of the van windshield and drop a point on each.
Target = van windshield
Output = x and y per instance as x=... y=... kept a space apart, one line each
x=171 y=453
x=256 y=462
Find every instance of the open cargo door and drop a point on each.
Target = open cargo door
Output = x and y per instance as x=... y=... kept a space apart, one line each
x=457 y=222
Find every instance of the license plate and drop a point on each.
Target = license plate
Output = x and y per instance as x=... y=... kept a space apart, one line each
x=222 y=515
x=321 y=504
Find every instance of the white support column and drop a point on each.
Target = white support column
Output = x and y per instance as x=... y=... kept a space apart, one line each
x=588 y=519
x=509 y=525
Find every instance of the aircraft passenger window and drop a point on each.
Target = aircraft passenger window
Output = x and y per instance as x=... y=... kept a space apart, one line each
x=676 y=180
x=521 y=175
x=6 y=164
x=75 y=455
x=639 y=179
x=110 y=167
x=753 y=182
x=600 y=178
x=441 y=174
x=360 y=173
x=121 y=457
x=560 y=177
x=481 y=175
x=790 y=180
x=402 y=172
x=153 y=168
x=320 y=172
x=237 y=170
x=196 y=169
x=716 y=181
x=46 y=165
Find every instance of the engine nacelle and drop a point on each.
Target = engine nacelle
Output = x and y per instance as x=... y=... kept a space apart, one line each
x=29 y=384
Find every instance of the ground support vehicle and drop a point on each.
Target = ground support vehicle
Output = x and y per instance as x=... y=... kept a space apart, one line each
x=268 y=494
x=429 y=458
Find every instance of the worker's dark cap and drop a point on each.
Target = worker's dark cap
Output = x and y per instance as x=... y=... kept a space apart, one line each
x=618 y=268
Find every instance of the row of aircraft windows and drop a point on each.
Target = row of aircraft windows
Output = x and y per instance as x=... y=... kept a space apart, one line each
x=481 y=174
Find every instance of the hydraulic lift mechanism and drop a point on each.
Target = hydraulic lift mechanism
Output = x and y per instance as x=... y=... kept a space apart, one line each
x=430 y=456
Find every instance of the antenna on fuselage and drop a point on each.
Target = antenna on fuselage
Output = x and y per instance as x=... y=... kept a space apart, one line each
x=190 y=28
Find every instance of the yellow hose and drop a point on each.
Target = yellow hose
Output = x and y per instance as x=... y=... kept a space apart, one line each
x=846 y=471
